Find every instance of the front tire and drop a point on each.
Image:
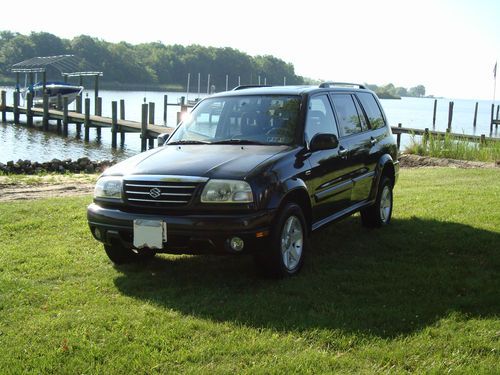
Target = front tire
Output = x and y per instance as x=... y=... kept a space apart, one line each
x=380 y=213
x=289 y=242
x=122 y=255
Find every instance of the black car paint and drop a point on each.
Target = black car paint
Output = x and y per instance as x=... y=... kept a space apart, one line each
x=329 y=183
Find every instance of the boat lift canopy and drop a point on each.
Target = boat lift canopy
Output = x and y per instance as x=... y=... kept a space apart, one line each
x=68 y=65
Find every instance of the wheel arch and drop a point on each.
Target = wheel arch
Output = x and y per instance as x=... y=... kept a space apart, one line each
x=385 y=168
x=300 y=196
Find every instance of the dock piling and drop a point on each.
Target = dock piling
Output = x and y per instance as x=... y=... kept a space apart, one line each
x=59 y=107
x=45 y=120
x=98 y=110
x=398 y=138
x=450 y=116
x=16 y=107
x=151 y=120
x=183 y=109
x=87 y=119
x=114 y=122
x=29 y=109
x=165 y=105
x=144 y=127
x=4 y=105
x=475 y=116
x=65 y=116
x=96 y=92
x=426 y=136
x=434 y=114
x=122 y=117
x=151 y=116
x=492 y=118
x=79 y=110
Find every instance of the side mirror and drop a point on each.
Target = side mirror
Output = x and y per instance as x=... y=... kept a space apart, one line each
x=323 y=141
x=162 y=138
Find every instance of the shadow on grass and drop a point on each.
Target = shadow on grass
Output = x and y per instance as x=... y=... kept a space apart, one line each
x=382 y=282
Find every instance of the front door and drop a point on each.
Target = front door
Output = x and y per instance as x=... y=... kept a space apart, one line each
x=329 y=179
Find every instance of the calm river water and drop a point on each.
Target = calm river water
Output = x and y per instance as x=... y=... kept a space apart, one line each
x=20 y=142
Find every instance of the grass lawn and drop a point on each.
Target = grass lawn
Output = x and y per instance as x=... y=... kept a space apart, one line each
x=422 y=295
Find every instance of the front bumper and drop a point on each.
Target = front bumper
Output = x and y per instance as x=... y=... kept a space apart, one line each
x=186 y=234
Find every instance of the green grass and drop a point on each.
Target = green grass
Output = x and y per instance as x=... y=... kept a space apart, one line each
x=422 y=295
x=454 y=148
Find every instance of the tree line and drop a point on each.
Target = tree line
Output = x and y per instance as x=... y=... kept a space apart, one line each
x=390 y=91
x=149 y=63
x=159 y=65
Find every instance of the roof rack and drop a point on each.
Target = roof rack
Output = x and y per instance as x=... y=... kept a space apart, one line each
x=331 y=84
x=243 y=87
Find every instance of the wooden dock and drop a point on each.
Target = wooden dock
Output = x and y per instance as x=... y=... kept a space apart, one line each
x=147 y=128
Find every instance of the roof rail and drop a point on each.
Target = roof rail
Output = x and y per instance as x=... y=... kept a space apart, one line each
x=243 y=87
x=331 y=84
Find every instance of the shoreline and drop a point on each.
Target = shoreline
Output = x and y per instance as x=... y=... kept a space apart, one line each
x=15 y=187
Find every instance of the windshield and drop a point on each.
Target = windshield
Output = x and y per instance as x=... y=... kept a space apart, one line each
x=257 y=119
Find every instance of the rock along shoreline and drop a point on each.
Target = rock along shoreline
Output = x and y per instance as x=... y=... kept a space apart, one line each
x=81 y=165
x=85 y=165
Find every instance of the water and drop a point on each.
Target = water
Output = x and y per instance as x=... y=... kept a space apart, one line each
x=21 y=142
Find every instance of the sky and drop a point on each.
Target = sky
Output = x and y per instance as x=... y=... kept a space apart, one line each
x=448 y=46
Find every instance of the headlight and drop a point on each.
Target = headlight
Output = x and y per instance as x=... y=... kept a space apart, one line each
x=227 y=191
x=108 y=187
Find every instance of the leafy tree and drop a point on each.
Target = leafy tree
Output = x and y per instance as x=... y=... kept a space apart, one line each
x=417 y=91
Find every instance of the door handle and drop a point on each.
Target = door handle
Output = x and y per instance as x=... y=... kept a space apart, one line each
x=373 y=141
x=343 y=151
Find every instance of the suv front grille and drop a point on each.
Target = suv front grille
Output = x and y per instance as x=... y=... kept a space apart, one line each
x=159 y=193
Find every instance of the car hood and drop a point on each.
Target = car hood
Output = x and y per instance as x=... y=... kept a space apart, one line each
x=212 y=161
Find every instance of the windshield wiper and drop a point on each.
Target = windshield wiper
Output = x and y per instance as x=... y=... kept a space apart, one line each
x=188 y=142
x=238 y=142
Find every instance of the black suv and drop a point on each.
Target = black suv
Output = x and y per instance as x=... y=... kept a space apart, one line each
x=253 y=170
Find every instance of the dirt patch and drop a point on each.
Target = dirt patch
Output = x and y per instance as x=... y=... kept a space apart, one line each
x=417 y=161
x=13 y=189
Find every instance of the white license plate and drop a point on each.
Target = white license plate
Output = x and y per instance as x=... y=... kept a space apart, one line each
x=149 y=233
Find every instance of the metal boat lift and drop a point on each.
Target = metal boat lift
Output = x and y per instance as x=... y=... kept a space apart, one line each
x=66 y=65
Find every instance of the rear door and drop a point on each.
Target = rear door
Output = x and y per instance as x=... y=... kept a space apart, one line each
x=380 y=142
x=354 y=137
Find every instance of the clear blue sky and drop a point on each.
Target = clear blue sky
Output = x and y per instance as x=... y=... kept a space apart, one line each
x=448 y=46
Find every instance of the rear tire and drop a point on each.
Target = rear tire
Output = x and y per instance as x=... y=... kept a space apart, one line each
x=122 y=255
x=380 y=213
x=289 y=242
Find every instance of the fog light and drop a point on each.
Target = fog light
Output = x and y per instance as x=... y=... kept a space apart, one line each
x=97 y=233
x=236 y=244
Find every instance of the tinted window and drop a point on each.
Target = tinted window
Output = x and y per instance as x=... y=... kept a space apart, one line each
x=347 y=114
x=320 y=117
x=372 y=110
x=266 y=119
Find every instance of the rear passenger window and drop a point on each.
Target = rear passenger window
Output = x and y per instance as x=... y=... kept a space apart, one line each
x=372 y=110
x=349 y=122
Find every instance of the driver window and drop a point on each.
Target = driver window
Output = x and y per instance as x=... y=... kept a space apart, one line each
x=320 y=117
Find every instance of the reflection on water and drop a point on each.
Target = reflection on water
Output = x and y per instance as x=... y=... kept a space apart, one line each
x=21 y=142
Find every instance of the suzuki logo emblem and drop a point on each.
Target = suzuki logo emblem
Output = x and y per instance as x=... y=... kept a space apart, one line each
x=155 y=192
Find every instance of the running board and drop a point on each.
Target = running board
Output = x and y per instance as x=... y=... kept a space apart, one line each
x=341 y=214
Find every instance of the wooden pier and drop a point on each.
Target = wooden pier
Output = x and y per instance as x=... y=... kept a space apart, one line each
x=147 y=128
